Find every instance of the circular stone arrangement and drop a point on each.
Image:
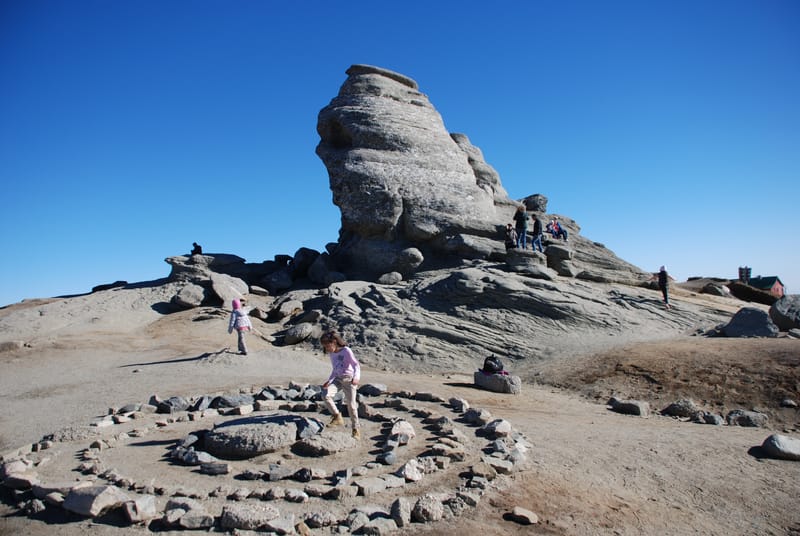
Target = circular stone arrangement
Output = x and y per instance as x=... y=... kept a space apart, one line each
x=264 y=460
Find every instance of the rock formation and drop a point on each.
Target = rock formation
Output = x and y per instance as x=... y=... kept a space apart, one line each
x=407 y=189
x=411 y=194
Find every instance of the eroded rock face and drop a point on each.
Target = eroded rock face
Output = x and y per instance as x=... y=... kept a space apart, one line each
x=404 y=185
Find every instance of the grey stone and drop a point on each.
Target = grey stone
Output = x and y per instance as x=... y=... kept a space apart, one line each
x=191 y=295
x=498 y=428
x=141 y=509
x=401 y=512
x=785 y=312
x=391 y=278
x=680 y=408
x=750 y=322
x=227 y=287
x=782 y=447
x=247 y=516
x=173 y=405
x=92 y=501
x=370 y=486
x=372 y=389
x=324 y=445
x=427 y=509
x=630 y=407
x=477 y=416
x=298 y=333
x=379 y=526
x=523 y=516
x=739 y=417
x=498 y=383
x=321 y=519
x=459 y=404
x=249 y=440
x=411 y=471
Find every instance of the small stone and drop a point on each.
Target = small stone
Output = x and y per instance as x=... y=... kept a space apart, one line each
x=523 y=516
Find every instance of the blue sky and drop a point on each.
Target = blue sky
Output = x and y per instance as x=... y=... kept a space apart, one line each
x=670 y=131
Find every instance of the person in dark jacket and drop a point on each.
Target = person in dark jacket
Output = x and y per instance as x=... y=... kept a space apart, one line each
x=663 y=285
x=537 y=233
x=521 y=219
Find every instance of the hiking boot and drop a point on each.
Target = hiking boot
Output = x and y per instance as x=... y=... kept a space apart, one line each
x=336 y=420
x=356 y=433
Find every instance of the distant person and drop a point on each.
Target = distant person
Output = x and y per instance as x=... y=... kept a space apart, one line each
x=521 y=219
x=197 y=249
x=663 y=285
x=511 y=237
x=537 y=233
x=345 y=376
x=240 y=321
x=557 y=230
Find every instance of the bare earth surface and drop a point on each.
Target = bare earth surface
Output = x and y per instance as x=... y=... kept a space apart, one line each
x=591 y=471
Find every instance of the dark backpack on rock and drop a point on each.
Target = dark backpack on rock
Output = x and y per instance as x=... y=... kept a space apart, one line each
x=492 y=365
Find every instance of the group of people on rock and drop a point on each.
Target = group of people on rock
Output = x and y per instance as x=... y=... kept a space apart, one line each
x=517 y=234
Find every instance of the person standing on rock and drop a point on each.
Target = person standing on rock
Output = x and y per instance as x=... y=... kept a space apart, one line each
x=537 y=233
x=241 y=323
x=663 y=285
x=521 y=217
x=511 y=237
x=345 y=376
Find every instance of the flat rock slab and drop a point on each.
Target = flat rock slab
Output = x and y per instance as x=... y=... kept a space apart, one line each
x=245 y=441
x=324 y=445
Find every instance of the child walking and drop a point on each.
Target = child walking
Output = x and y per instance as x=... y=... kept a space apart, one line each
x=241 y=323
x=345 y=376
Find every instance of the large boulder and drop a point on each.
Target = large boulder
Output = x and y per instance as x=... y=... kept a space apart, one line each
x=499 y=383
x=750 y=322
x=786 y=312
x=400 y=179
x=247 y=440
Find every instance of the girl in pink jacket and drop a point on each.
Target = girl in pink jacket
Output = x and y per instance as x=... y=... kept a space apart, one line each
x=241 y=323
x=345 y=376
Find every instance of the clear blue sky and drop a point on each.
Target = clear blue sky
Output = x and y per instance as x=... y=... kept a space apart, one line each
x=669 y=130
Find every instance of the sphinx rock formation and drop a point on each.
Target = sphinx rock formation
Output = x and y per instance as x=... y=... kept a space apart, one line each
x=407 y=189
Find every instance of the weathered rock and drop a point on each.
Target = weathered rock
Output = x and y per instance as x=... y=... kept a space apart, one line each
x=680 y=408
x=298 y=333
x=191 y=295
x=739 y=417
x=94 y=500
x=141 y=509
x=750 y=322
x=411 y=471
x=324 y=445
x=523 y=516
x=498 y=428
x=247 y=516
x=227 y=287
x=427 y=509
x=242 y=441
x=402 y=428
x=186 y=513
x=401 y=512
x=173 y=404
x=630 y=407
x=398 y=176
x=782 y=447
x=498 y=383
x=785 y=312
